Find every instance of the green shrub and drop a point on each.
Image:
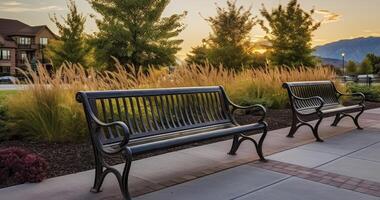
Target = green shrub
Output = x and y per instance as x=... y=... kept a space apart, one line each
x=372 y=93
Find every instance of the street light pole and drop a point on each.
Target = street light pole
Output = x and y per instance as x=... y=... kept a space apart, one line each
x=344 y=71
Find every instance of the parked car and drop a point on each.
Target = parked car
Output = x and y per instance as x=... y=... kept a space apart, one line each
x=8 y=80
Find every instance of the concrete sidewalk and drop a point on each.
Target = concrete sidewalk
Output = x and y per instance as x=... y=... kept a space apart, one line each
x=160 y=172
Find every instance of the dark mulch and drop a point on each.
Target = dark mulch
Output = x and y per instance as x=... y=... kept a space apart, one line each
x=67 y=158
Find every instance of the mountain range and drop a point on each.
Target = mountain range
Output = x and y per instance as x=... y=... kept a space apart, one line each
x=354 y=49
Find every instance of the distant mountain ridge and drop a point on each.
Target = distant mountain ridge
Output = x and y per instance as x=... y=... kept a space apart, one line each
x=355 y=49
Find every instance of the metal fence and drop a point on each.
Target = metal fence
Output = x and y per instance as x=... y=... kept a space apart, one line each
x=364 y=80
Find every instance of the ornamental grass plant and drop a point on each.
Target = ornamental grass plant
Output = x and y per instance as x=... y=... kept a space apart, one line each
x=48 y=111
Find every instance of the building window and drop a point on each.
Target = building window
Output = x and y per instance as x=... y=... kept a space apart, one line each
x=4 y=69
x=24 y=41
x=5 y=54
x=24 y=57
x=43 y=41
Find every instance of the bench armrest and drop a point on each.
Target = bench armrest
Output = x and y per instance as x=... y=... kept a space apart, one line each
x=358 y=94
x=100 y=124
x=321 y=101
x=255 y=108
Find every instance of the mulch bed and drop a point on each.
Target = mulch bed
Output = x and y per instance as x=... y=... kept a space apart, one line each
x=68 y=158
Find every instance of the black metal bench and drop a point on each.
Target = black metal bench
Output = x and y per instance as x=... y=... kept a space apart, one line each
x=130 y=122
x=319 y=98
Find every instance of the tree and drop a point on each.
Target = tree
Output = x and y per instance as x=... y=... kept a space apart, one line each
x=134 y=32
x=71 y=45
x=198 y=55
x=229 y=43
x=366 y=67
x=374 y=62
x=351 y=68
x=289 y=30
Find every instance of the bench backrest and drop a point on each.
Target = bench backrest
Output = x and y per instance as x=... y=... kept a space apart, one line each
x=324 y=89
x=150 y=112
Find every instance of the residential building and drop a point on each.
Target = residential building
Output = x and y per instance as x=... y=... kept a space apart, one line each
x=20 y=44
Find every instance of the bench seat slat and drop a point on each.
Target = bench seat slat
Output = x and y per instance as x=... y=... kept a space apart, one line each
x=196 y=136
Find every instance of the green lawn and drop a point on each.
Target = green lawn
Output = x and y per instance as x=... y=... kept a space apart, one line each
x=5 y=93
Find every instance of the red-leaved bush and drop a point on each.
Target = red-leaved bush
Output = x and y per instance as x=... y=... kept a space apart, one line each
x=21 y=166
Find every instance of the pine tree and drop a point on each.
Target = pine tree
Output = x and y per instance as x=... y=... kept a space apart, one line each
x=229 y=43
x=289 y=30
x=71 y=45
x=135 y=32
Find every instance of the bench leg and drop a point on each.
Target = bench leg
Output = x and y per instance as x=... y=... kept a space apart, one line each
x=238 y=139
x=124 y=179
x=235 y=145
x=340 y=116
x=99 y=174
x=294 y=126
x=356 y=119
x=337 y=119
x=315 y=129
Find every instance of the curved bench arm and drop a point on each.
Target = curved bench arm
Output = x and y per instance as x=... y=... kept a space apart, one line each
x=92 y=119
x=358 y=94
x=238 y=107
x=115 y=124
x=256 y=107
x=321 y=101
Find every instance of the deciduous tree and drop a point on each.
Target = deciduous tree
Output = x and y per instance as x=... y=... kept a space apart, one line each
x=229 y=43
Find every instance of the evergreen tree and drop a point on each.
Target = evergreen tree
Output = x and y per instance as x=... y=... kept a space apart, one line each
x=71 y=45
x=134 y=32
x=229 y=43
x=289 y=30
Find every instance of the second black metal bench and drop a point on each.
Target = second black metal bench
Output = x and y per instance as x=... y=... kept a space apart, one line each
x=319 y=98
x=130 y=122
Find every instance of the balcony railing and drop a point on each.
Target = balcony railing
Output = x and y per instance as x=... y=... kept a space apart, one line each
x=27 y=46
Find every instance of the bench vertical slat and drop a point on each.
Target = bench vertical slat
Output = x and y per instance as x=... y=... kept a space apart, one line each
x=215 y=106
x=160 y=114
x=147 y=114
x=170 y=112
x=207 y=107
x=185 y=109
x=211 y=106
x=104 y=112
x=174 y=106
x=193 y=112
x=164 y=112
x=141 y=114
x=136 y=124
x=154 y=114
x=180 y=110
x=119 y=114
x=126 y=111
x=199 y=107
x=220 y=105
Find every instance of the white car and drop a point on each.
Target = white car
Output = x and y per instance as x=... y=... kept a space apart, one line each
x=8 y=80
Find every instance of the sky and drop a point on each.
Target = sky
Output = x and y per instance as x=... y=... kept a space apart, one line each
x=341 y=19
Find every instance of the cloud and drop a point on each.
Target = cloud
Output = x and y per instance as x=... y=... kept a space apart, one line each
x=16 y=7
x=328 y=16
x=12 y=3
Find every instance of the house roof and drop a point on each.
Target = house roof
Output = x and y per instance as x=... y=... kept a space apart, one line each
x=11 y=27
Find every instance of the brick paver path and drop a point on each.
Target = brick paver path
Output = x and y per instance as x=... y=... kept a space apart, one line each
x=328 y=178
